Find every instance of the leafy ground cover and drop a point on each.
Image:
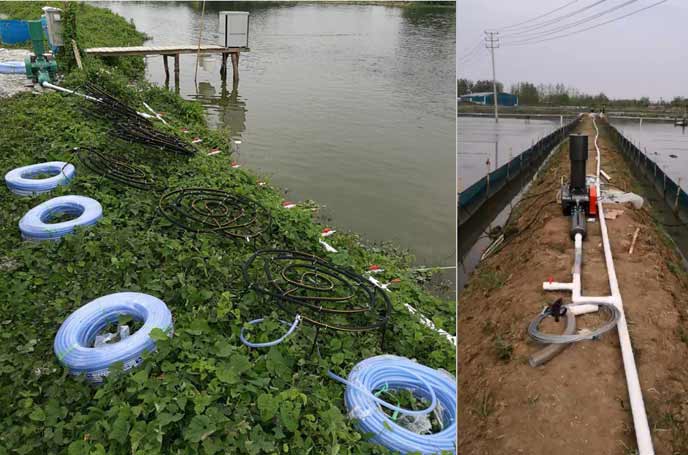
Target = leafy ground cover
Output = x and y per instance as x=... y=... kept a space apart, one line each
x=202 y=391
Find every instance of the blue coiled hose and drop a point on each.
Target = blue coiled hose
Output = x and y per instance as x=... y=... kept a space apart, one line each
x=35 y=224
x=397 y=373
x=20 y=181
x=74 y=341
x=268 y=344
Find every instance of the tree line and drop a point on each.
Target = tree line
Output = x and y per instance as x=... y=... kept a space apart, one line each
x=558 y=95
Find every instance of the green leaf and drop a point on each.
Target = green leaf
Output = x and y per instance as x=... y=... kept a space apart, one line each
x=158 y=335
x=165 y=418
x=230 y=372
x=199 y=428
x=267 y=405
x=38 y=415
x=289 y=412
x=121 y=427
x=223 y=349
x=338 y=358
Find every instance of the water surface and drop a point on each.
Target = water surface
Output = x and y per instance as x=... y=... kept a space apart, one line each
x=660 y=140
x=483 y=144
x=349 y=105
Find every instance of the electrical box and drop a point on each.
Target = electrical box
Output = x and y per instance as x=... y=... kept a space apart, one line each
x=53 y=18
x=233 y=29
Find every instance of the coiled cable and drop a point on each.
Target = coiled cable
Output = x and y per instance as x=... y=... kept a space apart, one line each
x=399 y=373
x=74 y=341
x=613 y=315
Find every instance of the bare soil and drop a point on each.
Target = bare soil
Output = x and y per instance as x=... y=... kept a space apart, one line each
x=578 y=402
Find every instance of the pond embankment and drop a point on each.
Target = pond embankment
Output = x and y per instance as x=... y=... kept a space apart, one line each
x=578 y=402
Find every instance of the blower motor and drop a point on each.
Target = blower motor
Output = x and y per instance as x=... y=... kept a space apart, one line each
x=578 y=199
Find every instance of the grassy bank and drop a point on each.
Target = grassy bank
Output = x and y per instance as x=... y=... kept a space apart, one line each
x=202 y=391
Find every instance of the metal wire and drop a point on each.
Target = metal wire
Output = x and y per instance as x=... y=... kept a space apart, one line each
x=210 y=210
x=117 y=169
x=324 y=294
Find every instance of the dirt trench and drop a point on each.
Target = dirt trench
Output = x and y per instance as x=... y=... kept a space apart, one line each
x=578 y=402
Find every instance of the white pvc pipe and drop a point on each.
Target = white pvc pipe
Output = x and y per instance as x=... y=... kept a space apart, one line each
x=65 y=90
x=635 y=393
x=640 y=423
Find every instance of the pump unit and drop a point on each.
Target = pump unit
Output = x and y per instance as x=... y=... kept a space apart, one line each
x=233 y=28
x=578 y=199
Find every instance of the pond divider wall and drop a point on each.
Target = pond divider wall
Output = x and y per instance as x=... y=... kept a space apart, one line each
x=671 y=192
x=473 y=197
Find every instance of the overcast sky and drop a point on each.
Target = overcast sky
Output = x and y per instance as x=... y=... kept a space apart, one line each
x=642 y=55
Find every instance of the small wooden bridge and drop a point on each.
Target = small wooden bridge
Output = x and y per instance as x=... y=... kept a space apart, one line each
x=176 y=51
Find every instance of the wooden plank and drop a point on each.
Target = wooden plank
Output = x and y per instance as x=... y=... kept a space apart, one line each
x=179 y=49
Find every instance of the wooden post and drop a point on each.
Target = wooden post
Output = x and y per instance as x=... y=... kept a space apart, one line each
x=223 y=67
x=167 y=69
x=77 y=56
x=235 y=67
x=176 y=72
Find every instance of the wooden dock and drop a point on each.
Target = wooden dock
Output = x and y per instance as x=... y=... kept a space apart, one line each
x=175 y=51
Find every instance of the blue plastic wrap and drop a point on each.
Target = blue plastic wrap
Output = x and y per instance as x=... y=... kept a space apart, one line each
x=74 y=341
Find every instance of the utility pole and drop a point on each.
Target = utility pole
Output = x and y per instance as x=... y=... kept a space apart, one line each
x=492 y=42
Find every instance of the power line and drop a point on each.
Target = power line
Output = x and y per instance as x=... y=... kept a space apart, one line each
x=471 y=52
x=538 y=17
x=586 y=28
x=472 y=59
x=558 y=18
x=552 y=31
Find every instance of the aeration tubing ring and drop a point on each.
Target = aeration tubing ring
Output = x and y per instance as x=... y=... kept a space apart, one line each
x=35 y=224
x=74 y=341
x=118 y=169
x=211 y=210
x=400 y=373
x=322 y=293
x=20 y=180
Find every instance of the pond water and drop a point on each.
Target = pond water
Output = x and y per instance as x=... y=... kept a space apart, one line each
x=660 y=140
x=349 y=105
x=481 y=139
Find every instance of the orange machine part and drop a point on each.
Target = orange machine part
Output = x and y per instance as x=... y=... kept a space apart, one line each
x=592 y=193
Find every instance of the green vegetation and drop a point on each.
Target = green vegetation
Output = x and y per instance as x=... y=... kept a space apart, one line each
x=95 y=27
x=503 y=349
x=202 y=391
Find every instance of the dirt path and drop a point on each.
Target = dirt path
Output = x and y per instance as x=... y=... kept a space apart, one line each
x=577 y=403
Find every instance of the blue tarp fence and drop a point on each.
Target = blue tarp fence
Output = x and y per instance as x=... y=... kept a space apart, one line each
x=13 y=31
x=473 y=197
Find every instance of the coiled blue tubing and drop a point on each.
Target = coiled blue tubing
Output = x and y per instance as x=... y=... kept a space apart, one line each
x=267 y=344
x=35 y=225
x=399 y=373
x=74 y=340
x=20 y=181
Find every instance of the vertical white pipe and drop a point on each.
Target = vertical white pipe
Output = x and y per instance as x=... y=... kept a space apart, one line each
x=635 y=393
